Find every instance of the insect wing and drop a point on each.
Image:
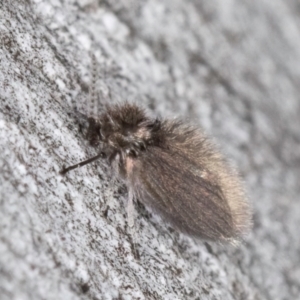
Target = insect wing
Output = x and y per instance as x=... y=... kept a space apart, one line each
x=174 y=186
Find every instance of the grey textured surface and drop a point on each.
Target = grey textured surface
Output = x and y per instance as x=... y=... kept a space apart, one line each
x=231 y=66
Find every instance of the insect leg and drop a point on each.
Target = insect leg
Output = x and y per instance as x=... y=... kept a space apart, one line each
x=131 y=219
x=130 y=209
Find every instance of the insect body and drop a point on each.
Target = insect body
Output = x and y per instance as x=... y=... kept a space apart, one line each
x=173 y=168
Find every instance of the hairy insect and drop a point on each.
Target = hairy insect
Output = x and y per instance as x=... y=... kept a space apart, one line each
x=173 y=168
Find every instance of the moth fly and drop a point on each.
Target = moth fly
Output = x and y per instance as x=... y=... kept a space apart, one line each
x=173 y=168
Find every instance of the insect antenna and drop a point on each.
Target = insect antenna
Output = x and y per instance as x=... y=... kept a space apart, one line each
x=92 y=102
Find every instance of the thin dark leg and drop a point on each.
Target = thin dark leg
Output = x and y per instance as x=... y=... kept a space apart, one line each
x=65 y=170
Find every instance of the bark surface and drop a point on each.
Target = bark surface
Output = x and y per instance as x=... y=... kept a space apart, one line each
x=231 y=66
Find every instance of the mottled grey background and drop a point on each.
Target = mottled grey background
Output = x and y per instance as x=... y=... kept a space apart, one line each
x=231 y=66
